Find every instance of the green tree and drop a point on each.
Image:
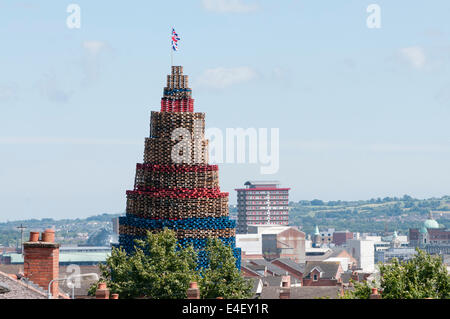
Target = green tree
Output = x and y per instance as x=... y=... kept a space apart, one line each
x=423 y=276
x=317 y=202
x=222 y=278
x=159 y=268
x=360 y=291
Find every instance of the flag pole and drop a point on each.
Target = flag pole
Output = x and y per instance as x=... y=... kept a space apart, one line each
x=171 y=49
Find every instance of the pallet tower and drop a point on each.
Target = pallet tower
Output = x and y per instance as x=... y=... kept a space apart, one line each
x=184 y=196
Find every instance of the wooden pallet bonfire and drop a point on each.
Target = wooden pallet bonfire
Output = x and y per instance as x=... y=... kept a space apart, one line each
x=183 y=196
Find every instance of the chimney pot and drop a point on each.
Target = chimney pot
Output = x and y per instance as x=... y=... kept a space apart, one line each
x=193 y=292
x=193 y=284
x=48 y=236
x=41 y=262
x=375 y=294
x=101 y=285
x=34 y=236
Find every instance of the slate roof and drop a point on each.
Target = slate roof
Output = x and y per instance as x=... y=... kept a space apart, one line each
x=249 y=268
x=346 y=276
x=272 y=281
x=63 y=273
x=17 y=289
x=255 y=267
x=12 y=269
x=309 y=292
x=292 y=264
x=329 y=269
x=336 y=251
x=326 y=255
x=270 y=267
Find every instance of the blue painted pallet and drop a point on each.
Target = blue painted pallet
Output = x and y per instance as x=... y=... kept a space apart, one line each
x=186 y=223
x=128 y=244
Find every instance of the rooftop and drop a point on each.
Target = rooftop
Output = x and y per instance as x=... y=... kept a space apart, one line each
x=291 y=264
x=261 y=183
x=270 y=267
x=329 y=269
x=270 y=229
x=11 y=288
x=64 y=272
x=332 y=292
x=431 y=223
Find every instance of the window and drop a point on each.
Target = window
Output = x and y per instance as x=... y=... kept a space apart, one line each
x=315 y=277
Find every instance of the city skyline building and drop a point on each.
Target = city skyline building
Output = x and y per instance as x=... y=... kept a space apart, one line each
x=261 y=203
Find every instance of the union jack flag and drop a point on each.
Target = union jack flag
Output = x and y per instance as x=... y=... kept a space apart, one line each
x=175 y=40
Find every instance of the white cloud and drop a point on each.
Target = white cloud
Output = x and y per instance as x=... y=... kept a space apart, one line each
x=415 y=56
x=94 y=47
x=229 y=6
x=221 y=78
x=91 y=63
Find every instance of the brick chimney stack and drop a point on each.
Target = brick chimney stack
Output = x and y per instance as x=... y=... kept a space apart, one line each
x=285 y=292
x=41 y=260
x=102 y=291
x=193 y=292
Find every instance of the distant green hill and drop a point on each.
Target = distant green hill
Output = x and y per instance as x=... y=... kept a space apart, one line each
x=374 y=215
x=68 y=231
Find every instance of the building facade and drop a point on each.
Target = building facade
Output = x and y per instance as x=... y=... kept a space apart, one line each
x=430 y=237
x=363 y=251
x=322 y=273
x=272 y=242
x=401 y=253
x=261 y=203
x=341 y=237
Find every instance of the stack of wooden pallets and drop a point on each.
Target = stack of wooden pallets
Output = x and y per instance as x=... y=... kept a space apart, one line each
x=181 y=195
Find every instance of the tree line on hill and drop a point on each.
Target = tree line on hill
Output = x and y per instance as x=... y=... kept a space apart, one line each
x=372 y=216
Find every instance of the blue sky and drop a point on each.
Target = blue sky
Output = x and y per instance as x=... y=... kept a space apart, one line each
x=362 y=112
